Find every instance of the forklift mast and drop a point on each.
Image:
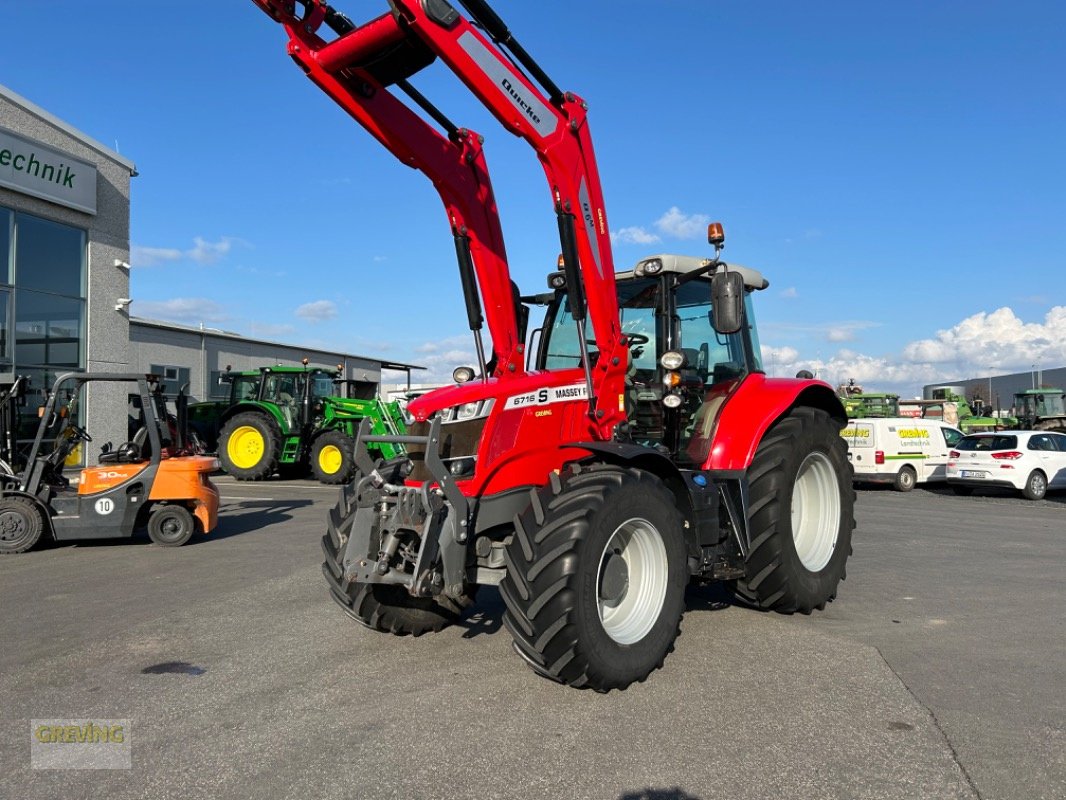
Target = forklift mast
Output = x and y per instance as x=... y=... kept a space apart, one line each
x=357 y=64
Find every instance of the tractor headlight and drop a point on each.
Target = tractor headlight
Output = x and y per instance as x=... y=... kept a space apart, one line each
x=467 y=411
x=672 y=401
x=650 y=266
x=672 y=359
x=463 y=374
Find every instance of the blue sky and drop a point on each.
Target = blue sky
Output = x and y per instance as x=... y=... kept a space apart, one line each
x=897 y=170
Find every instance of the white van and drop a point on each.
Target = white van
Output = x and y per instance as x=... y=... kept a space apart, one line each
x=899 y=450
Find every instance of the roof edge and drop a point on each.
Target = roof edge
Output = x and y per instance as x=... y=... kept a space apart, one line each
x=67 y=128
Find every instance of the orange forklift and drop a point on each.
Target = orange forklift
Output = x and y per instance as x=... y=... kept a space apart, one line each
x=146 y=482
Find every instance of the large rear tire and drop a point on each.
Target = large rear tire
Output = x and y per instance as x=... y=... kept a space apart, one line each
x=596 y=576
x=802 y=512
x=390 y=609
x=333 y=458
x=21 y=525
x=249 y=446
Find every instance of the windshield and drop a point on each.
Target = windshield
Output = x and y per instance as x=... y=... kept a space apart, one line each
x=322 y=385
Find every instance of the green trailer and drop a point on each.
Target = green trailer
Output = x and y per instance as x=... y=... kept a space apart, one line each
x=290 y=420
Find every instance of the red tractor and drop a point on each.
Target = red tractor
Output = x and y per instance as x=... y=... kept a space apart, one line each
x=594 y=479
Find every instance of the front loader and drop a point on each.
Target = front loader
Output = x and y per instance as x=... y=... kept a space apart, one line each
x=640 y=447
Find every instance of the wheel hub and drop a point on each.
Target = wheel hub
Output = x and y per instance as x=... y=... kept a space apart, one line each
x=614 y=580
x=631 y=581
x=12 y=526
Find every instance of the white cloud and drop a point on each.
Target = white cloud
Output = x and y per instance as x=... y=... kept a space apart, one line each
x=633 y=235
x=151 y=256
x=985 y=342
x=318 y=311
x=181 y=309
x=202 y=252
x=682 y=226
x=840 y=335
x=997 y=339
x=789 y=293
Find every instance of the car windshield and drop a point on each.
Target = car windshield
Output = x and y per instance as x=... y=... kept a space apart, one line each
x=987 y=443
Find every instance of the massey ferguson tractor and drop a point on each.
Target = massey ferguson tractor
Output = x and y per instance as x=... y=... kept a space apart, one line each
x=638 y=447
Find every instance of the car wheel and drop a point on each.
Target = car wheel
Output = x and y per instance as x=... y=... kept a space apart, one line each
x=906 y=479
x=1035 y=486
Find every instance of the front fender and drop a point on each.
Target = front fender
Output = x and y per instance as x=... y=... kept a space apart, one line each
x=753 y=407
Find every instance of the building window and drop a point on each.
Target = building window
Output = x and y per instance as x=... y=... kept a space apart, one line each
x=173 y=378
x=42 y=304
x=49 y=257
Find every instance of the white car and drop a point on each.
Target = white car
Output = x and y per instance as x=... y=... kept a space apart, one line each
x=1030 y=461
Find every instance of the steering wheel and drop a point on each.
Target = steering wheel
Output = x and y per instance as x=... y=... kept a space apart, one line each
x=633 y=339
x=80 y=433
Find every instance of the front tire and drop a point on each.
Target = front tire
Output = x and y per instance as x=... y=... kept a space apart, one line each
x=596 y=576
x=380 y=607
x=1035 y=486
x=21 y=525
x=249 y=446
x=802 y=512
x=333 y=458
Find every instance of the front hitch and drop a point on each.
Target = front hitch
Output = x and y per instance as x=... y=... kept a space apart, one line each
x=411 y=536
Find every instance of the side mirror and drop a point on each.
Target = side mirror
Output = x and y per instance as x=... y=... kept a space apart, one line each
x=727 y=302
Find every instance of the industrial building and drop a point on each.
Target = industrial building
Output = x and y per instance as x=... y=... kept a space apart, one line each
x=999 y=390
x=65 y=282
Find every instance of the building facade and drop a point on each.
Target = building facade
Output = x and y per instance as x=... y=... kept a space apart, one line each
x=64 y=253
x=196 y=357
x=65 y=285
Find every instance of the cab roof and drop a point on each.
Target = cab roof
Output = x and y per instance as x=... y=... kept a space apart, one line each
x=753 y=279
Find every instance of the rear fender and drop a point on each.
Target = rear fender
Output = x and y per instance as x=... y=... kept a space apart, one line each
x=756 y=405
x=266 y=409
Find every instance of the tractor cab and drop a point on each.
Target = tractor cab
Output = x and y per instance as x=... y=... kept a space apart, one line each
x=680 y=367
x=1041 y=409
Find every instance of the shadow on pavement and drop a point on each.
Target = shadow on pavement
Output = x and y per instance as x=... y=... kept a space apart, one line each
x=237 y=518
x=658 y=794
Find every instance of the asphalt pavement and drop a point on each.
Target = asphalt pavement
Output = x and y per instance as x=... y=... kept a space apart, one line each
x=937 y=673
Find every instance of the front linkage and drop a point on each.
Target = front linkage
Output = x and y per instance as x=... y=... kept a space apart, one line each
x=396 y=554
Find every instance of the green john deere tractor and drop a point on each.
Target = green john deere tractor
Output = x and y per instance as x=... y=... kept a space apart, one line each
x=288 y=419
x=1042 y=409
x=969 y=419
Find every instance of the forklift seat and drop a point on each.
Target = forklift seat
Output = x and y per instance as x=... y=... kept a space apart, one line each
x=128 y=453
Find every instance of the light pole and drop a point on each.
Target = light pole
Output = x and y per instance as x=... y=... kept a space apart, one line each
x=1034 y=376
x=990 y=386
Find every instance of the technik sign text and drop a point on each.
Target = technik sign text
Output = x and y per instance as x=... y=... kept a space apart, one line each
x=39 y=170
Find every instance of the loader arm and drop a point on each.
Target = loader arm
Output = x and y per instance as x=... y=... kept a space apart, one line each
x=554 y=123
x=454 y=163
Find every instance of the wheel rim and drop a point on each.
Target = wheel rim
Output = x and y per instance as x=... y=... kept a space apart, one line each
x=245 y=447
x=13 y=527
x=631 y=581
x=330 y=459
x=1037 y=485
x=815 y=511
x=172 y=528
